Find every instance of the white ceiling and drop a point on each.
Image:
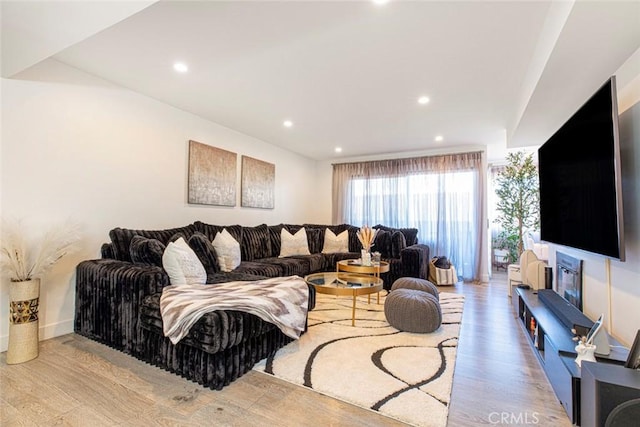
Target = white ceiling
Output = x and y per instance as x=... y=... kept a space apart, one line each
x=349 y=73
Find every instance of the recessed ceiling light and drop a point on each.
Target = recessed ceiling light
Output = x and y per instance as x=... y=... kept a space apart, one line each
x=439 y=138
x=380 y=1
x=180 y=67
x=423 y=100
x=287 y=123
x=338 y=150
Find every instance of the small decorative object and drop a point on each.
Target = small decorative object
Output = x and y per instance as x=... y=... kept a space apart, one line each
x=212 y=175
x=365 y=257
x=376 y=257
x=25 y=266
x=585 y=350
x=366 y=235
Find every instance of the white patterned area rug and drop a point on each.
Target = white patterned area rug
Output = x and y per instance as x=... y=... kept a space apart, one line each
x=402 y=375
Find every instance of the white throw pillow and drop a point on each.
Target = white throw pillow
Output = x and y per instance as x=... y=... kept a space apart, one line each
x=227 y=251
x=295 y=244
x=182 y=264
x=335 y=244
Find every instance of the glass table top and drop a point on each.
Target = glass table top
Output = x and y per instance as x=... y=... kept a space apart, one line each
x=343 y=280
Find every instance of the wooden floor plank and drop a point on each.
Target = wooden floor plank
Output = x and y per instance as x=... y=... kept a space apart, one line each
x=78 y=382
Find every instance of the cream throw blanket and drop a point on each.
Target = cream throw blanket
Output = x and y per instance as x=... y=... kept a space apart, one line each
x=282 y=301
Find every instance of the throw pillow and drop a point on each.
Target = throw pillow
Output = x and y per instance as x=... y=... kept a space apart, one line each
x=146 y=251
x=315 y=237
x=398 y=243
x=335 y=244
x=182 y=264
x=205 y=252
x=256 y=243
x=227 y=251
x=294 y=244
x=382 y=244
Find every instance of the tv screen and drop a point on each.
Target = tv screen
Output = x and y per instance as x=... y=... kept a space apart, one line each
x=580 y=182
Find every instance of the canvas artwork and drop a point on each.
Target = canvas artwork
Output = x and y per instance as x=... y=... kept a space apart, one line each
x=258 y=183
x=212 y=175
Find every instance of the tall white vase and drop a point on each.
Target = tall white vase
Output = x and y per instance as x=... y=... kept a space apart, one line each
x=365 y=257
x=23 y=321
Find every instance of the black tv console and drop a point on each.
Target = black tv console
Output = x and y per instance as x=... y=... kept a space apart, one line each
x=552 y=343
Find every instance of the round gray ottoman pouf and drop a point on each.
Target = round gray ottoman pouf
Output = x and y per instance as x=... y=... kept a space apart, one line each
x=411 y=310
x=417 y=284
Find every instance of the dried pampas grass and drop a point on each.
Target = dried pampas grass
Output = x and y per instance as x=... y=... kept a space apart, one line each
x=22 y=260
x=366 y=235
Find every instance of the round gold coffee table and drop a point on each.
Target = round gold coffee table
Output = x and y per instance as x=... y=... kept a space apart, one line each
x=354 y=266
x=345 y=284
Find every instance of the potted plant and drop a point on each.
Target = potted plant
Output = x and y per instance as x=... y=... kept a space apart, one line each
x=518 y=203
x=25 y=263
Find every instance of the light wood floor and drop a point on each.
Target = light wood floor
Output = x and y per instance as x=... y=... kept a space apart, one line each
x=77 y=382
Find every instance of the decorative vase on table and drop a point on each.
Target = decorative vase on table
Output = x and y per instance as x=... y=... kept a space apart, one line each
x=366 y=235
x=23 y=321
x=365 y=257
x=585 y=352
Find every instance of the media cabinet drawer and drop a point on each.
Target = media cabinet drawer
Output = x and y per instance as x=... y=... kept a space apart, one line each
x=560 y=378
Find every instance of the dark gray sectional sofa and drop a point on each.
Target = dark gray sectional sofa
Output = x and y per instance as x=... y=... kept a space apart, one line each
x=117 y=296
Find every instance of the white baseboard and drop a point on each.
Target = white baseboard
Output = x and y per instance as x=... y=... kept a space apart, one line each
x=45 y=332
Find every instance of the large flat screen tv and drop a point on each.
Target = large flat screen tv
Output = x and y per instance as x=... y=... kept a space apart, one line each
x=580 y=181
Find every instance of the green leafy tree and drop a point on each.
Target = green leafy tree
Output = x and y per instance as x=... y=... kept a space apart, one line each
x=518 y=202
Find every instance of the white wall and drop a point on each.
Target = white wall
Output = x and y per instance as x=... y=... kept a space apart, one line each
x=74 y=146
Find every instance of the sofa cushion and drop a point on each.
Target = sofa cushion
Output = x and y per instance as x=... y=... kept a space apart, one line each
x=274 y=233
x=291 y=266
x=293 y=244
x=410 y=234
x=354 y=242
x=107 y=251
x=398 y=243
x=121 y=238
x=206 y=253
x=256 y=243
x=335 y=243
x=182 y=264
x=317 y=262
x=227 y=250
x=382 y=243
x=315 y=239
x=259 y=268
x=146 y=251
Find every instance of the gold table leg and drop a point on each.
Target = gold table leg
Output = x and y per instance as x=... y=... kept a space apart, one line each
x=353 y=311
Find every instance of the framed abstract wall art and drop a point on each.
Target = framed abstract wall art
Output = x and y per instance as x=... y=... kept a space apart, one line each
x=212 y=175
x=258 y=183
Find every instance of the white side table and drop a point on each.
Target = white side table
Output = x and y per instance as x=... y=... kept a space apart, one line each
x=513 y=276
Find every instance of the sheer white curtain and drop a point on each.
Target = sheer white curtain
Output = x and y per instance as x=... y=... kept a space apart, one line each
x=441 y=196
